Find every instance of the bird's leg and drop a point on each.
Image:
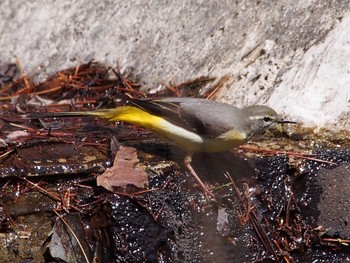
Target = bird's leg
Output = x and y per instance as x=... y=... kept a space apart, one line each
x=187 y=161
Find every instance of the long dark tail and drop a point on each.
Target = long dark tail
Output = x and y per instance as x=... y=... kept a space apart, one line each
x=129 y=114
x=43 y=115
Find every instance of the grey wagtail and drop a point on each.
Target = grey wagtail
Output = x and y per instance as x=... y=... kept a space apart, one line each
x=195 y=125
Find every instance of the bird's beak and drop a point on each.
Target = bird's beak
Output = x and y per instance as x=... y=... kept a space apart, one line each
x=286 y=121
x=281 y=120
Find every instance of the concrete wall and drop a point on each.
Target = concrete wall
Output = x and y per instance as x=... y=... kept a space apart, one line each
x=291 y=55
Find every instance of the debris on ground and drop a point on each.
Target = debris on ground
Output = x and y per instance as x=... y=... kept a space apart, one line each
x=282 y=198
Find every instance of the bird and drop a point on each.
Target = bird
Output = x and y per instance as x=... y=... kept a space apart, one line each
x=193 y=124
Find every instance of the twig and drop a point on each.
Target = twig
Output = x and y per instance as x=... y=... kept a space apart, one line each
x=75 y=236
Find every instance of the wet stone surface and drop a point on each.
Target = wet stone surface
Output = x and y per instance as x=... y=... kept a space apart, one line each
x=272 y=202
x=327 y=193
x=54 y=159
x=183 y=231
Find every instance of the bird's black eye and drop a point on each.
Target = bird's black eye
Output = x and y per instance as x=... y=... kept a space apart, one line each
x=267 y=119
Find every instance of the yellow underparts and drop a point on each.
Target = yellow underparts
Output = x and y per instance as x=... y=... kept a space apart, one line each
x=169 y=132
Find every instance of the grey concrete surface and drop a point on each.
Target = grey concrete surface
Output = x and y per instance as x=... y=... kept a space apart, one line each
x=262 y=45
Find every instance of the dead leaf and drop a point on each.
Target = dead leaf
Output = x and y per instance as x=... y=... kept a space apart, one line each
x=126 y=170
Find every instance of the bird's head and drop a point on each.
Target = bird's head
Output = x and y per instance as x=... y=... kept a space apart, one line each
x=259 y=118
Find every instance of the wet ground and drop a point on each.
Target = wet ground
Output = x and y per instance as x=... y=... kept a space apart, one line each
x=282 y=198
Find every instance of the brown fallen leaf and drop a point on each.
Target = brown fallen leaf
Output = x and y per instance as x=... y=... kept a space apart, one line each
x=126 y=170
